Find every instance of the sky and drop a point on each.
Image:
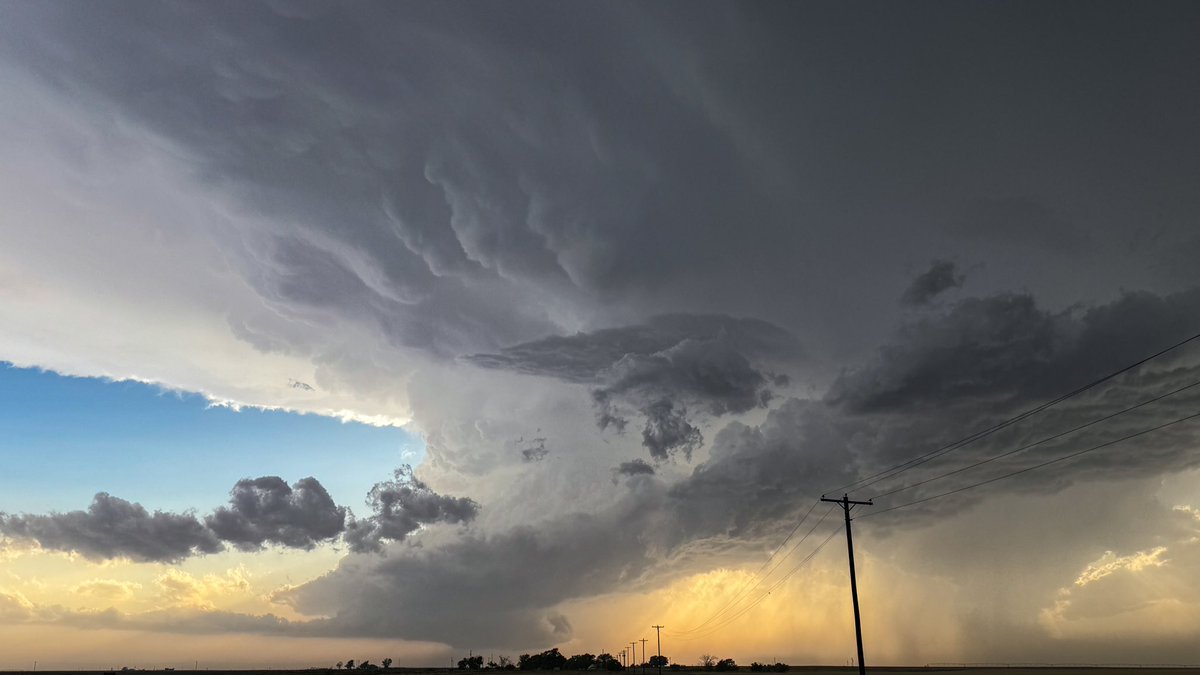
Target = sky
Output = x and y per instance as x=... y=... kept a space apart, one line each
x=404 y=330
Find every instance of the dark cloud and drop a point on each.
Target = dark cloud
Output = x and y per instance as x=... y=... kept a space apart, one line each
x=266 y=511
x=757 y=480
x=667 y=431
x=401 y=507
x=454 y=179
x=536 y=451
x=941 y=276
x=1005 y=349
x=586 y=357
x=634 y=467
x=445 y=164
x=518 y=576
x=1026 y=222
x=656 y=370
x=262 y=511
x=115 y=528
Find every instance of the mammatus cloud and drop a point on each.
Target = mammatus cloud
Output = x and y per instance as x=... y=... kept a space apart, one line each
x=941 y=276
x=401 y=507
x=266 y=511
x=261 y=511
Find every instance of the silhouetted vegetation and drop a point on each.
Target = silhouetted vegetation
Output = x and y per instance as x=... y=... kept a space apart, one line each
x=581 y=662
x=547 y=660
x=725 y=665
x=657 y=661
x=607 y=661
x=757 y=667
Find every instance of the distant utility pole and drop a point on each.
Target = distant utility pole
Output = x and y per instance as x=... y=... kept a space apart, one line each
x=634 y=646
x=658 y=632
x=846 y=503
x=643 y=641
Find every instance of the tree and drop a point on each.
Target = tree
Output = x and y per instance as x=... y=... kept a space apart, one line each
x=471 y=663
x=505 y=662
x=547 y=660
x=339 y=665
x=657 y=661
x=707 y=661
x=726 y=664
x=580 y=662
x=607 y=661
x=350 y=664
x=387 y=663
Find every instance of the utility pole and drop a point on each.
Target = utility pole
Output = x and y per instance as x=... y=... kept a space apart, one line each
x=643 y=641
x=658 y=632
x=846 y=503
x=634 y=645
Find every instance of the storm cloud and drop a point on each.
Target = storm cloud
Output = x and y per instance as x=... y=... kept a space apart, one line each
x=941 y=276
x=401 y=506
x=484 y=221
x=658 y=369
x=266 y=511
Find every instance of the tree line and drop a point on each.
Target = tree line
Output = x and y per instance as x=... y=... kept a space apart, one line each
x=553 y=659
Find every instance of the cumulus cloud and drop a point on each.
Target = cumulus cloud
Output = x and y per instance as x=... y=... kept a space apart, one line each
x=112 y=527
x=941 y=276
x=401 y=506
x=266 y=511
x=180 y=589
x=110 y=590
x=262 y=511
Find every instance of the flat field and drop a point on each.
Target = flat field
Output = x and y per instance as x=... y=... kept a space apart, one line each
x=799 y=670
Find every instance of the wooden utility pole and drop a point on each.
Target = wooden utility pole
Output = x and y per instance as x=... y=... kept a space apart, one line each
x=846 y=503
x=658 y=632
x=643 y=641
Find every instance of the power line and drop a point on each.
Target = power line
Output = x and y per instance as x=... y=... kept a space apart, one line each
x=742 y=594
x=1035 y=466
x=966 y=440
x=741 y=591
x=730 y=619
x=1039 y=442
